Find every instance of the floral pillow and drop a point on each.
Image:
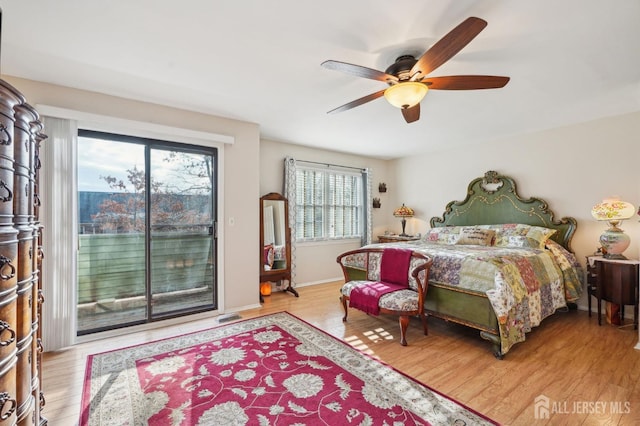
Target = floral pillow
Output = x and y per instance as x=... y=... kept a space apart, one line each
x=520 y=235
x=540 y=235
x=519 y=241
x=444 y=235
x=506 y=235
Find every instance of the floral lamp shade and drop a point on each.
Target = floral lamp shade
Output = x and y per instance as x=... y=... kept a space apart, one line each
x=613 y=210
x=403 y=212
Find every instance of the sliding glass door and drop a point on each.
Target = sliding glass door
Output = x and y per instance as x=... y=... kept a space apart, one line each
x=182 y=229
x=146 y=233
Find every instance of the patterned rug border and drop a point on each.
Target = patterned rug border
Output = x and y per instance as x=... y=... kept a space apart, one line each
x=372 y=358
x=278 y=318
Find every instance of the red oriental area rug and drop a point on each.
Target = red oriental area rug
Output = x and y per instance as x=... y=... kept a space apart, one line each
x=271 y=370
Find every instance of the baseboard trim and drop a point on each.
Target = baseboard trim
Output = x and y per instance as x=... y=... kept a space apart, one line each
x=310 y=283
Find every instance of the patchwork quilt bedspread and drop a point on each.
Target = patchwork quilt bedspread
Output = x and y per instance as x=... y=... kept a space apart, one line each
x=523 y=285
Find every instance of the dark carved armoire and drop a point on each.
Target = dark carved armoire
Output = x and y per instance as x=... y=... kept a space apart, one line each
x=21 y=298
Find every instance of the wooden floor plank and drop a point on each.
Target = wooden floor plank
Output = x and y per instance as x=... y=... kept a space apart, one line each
x=569 y=359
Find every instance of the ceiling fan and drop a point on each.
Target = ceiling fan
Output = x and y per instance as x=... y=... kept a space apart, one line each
x=408 y=77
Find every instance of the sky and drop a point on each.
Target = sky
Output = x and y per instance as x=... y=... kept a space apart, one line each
x=99 y=158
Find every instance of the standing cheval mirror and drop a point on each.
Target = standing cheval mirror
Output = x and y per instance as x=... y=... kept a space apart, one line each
x=275 y=241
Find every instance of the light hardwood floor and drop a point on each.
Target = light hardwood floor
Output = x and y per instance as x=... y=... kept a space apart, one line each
x=569 y=359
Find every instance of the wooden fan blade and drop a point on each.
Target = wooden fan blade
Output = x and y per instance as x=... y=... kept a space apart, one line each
x=466 y=82
x=359 y=71
x=449 y=45
x=411 y=114
x=358 y=102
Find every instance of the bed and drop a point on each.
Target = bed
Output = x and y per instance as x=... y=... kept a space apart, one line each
x=501 y=263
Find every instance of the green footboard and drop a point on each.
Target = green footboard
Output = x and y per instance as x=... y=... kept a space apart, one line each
x=356 y=274
x=473 y=310
x=451 y=304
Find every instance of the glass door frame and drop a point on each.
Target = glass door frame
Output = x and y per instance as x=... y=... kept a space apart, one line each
x=211 y=152
x=149 y=144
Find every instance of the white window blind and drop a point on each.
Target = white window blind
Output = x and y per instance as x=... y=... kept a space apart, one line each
x=330 y=204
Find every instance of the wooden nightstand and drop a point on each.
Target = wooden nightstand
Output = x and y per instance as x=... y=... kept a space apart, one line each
x=615 y=281
x=396 y=238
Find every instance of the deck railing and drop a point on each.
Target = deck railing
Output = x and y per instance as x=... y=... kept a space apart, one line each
x=112 y=266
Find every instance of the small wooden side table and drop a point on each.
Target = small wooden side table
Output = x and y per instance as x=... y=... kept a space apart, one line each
x=396 y=238
x=615 y=281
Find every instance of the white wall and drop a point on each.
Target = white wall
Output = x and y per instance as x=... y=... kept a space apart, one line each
x=316 y=262
x=241 y=173
x=572 y=168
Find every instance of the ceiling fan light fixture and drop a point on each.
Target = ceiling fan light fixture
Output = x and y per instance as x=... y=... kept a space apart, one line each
x=406 y=94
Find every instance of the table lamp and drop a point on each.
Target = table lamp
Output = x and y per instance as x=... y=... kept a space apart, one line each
x=614 y=241
x=404 y=212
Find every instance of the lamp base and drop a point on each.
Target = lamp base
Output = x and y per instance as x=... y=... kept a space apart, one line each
x=404 y=224
x=614 y=242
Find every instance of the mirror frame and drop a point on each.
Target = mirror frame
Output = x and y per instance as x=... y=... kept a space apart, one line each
x=276 y=274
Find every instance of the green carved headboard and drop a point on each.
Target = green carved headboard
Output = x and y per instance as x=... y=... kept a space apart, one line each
x=493 y=199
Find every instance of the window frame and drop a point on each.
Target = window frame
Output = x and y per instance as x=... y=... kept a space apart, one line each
x=328 y=187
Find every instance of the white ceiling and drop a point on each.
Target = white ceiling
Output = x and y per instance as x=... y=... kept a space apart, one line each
x=569 y=61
